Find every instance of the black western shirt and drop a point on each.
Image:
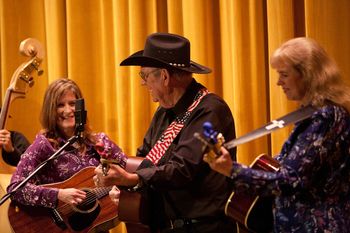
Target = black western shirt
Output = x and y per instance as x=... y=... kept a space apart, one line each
x=186 y=185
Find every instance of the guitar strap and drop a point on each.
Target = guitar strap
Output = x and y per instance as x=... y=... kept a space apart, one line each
x=168 y=136
x=293 y=117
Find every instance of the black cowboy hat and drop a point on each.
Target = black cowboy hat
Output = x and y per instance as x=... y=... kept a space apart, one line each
x=165 y=50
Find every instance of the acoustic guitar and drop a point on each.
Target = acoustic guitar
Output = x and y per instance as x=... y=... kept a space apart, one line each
x=252 y=213
x=96 y=213
x=133 y=205
x=21 y=80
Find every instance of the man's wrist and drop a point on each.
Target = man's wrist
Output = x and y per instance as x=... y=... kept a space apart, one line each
x=138 y=186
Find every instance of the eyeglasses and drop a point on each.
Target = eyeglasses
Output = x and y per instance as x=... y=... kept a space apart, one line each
x=144 y=76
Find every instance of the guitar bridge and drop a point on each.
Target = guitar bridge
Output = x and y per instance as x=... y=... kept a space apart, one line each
x=58 y=219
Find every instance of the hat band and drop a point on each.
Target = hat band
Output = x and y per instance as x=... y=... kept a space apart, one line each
x=177 y=64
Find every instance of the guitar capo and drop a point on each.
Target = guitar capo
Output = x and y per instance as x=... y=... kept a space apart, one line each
x=105 y=163
x=105 y=153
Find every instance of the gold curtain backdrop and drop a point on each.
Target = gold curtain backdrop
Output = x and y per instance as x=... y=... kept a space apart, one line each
x=85 y=40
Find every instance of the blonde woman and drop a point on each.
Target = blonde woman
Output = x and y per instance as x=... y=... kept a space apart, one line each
x=312 y=189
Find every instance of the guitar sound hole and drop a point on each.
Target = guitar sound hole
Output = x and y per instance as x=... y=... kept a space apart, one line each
x=89 y=204
x=79 y=221
x=85 y=213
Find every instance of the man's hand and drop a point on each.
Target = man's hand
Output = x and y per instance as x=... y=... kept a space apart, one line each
x=116 y=176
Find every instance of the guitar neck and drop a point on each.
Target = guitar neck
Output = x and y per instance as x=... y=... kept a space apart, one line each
x=101 y=191
x=293 y=117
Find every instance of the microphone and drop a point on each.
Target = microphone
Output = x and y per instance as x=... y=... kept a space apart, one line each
x=80 y=117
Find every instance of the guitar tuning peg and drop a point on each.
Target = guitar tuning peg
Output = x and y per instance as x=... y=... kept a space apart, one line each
x=209 y=133
x=207 y=126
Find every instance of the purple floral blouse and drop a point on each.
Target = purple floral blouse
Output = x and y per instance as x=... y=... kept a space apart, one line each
x=312 y=187
x=66 y=165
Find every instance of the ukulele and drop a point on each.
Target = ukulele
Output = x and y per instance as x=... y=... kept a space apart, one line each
x=22 y=79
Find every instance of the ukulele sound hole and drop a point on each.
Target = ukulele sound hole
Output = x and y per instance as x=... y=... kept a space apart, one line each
x=89 y=204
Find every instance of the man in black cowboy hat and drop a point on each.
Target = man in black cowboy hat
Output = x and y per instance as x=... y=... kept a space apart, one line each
x=187 y=196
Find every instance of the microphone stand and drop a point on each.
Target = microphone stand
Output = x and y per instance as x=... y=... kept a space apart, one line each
x=70 y=141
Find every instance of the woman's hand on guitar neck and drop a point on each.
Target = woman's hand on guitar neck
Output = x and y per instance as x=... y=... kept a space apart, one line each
x=222 y=164
x=116 y=176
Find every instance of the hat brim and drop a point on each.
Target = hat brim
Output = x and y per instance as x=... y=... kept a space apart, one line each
x=138 y=59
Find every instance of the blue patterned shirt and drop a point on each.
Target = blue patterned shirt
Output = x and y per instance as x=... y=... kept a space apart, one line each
x=312 y=187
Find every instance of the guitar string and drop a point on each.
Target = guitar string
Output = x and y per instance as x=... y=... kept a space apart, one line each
x=103 y=191
x=89 y=200
x=67 y=208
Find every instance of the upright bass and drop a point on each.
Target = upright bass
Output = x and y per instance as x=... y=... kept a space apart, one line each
x=21 y=80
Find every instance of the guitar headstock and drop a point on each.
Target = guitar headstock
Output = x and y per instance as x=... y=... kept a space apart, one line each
x=212 y=141
x=23 y=76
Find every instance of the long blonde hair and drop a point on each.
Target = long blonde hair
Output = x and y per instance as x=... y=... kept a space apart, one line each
x=319 y=72
x=48 y=116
